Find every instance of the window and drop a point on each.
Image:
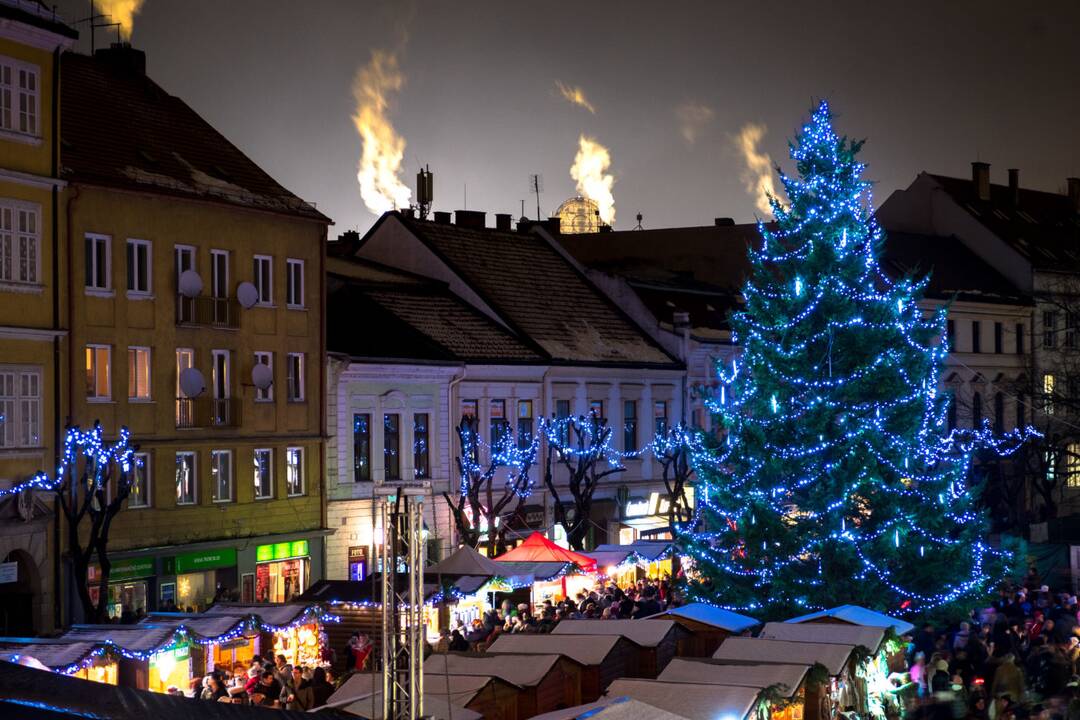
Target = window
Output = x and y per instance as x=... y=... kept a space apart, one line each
x=294 y=471
x=469 y=413
x=185 y=358
x=264 y=473
x=185 y=260
x=221 y=475
x=220 y=373
x=138 y=267
x=185 y=479
x=138 y=373
x=1051 y=465
x=562 y=417
x=97 y=262
x=950 y=333
x=20 y=241
x=264 y=278
x=660 y=417
x=295 y=377
x=139 y=496
x=1019 y=338
x=265 y=394
x=1072 y=465
x=999 y=332
x=421 y=438
x=18 y=97
x=391 y=447
x=219 y=273
x=497 y=422
x=976 y=411
x=1048 y=393
x=524 y=423
x=629 y=426
x=98 y=382
x=999 y=413
x=361 y=439
x=1070 y=335
x=1049 y=327
x=20 y=406
x=596 y=409
x=294 y=283
x=976 y=339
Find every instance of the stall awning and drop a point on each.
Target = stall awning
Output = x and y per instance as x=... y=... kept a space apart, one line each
x=856 y=615
x=538 y=548
x=521 y=574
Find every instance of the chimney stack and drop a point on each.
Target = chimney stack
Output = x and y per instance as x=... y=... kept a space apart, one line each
x=442 y=217
x=123 y=57
x=1014 y=187
x=724 y=222
x=504 y=221
x=475 y=219
x=1074 y=193
x=980 y=178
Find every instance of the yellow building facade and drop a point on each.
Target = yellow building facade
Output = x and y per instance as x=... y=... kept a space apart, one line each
x=33 y=319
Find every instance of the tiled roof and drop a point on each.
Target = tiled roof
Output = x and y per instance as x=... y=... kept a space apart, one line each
x=121 y=129
x=541 y=294
x=1041 y=226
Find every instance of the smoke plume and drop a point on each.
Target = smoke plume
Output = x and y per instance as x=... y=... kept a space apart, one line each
x=758 y=174
x=382 y=148
x=693 y=117
x=121 y=11
x=593 y=181
x=575 y=95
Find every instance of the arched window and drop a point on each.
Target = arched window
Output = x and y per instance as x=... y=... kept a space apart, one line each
x=999 y=413
x=976 y=410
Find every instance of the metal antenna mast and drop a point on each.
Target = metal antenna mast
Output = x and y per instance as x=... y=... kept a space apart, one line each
x=536 y=185
x=402 y=512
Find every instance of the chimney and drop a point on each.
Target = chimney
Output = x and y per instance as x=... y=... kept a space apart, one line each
x=346 y=245
x=980 y=178
x=553 y=225
x=1014 y=187
x=504 y=221
x=475 y=219
x=122 y=56
x=409 y=213
x=724 y=222
x=442 y=217
x=1074 y=193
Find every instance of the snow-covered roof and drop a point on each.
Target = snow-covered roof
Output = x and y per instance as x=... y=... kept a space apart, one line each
x=586 y=649
x=695 y=701
x=869 y=637
x=759 y=650
x=610 y=708
x=711 y=615
x=521 y=670
x=856 y=615
x=761 y=676
x=647 y=633
x=361 y=695
x=53 y=655
x=133 y=638
x=268 y=613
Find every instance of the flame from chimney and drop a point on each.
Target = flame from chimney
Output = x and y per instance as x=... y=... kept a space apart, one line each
x=693 y=117
x=593 y=181
x=758 y=174
x=575 y=95
x=383 y=149
x=121 y=11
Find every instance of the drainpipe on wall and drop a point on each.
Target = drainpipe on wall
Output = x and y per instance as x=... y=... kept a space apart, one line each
x=73 y=194
x=58 y=615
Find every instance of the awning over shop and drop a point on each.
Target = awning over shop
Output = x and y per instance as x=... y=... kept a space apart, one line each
x=538 y=548
x=856 y=615
x=520 y=574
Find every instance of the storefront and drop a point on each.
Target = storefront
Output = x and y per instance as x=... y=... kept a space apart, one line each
x=170 y=667
x=282 y=571
x=131 y=585
x=202 y=578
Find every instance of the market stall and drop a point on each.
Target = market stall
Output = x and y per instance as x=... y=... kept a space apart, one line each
x=708 y=626
x=151 y=656
x=696 y=701
x=538 y=549
x=603 y=658
x=786 y=683
x=656 y=641
x=225 y=640
x=654 y=557
x=85 y=660
x=294 y=630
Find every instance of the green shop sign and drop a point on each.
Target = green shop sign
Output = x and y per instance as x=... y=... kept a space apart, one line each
x=204 y=560
x=281 y=551
x=126 y=569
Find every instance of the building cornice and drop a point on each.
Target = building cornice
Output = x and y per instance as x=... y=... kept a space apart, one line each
x=40 y=181
x=9 y=332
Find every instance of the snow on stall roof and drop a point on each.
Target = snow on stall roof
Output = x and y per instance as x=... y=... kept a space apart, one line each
x=711 y=615
x=205 y=625
x=647 y=633
x=133 y=638
x=695 y=701
x=869 y=637
x=611 y=708
x=271 y=614
x=761 y=676
x=857 y=615
x=586 y=649
x=361 y=695
x=521 y=670
x=750 y=650
x=52 y=654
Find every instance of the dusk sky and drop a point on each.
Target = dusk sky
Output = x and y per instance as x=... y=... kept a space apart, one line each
x=931 y=85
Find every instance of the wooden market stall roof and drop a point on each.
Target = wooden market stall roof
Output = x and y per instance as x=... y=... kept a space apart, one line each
x=521 y=670
x=695 y=701
x=646 y=633
x=612 y=708
x=834 y=657
x=709 y=615
x=585 y=649
x=54 y=654
x=856 y=615
x=537 y=548
x=788 y=678
x=361 y=694
x=270 y=614
x=870 y=638
x=141 y=638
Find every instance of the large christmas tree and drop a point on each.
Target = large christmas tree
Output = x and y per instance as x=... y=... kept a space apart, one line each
x=838 y=481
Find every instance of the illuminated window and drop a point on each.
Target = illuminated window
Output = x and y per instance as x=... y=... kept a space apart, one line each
x=1048 y=393
x=1072 y=465
x=98 y=381
x=138 y=373
x=221 y=484
x=263 y=473
x=139 y=496
x=294 y=471
x=186 y=486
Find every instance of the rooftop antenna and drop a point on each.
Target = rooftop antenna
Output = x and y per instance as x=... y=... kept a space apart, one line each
x=523 y=209
x=536 y=186
x=425 y=191
x=638 y=226
x=94 y=25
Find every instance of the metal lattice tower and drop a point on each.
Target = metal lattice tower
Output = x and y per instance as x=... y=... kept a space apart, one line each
x=402 y=512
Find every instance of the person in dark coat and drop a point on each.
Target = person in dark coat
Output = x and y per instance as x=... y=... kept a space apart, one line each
x=321 y=690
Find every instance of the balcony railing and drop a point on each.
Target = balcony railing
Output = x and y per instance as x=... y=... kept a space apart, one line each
x=206 y=310
x=207 y=412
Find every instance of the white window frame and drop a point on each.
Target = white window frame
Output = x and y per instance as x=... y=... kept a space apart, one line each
x=291 y=452
x=108 y=373
x=255 y=471
x=267 y=395
x=195 y=477
x=11 y=95
x=294 y=291
x=20 y=249
x=266 y=299
x=215 y=471
x=214 y=276
x=294 y=383
x=133 y=352
x=21 y=410
x=142 y=460
x=105 y=289
x=136 y=291
x=179 y=250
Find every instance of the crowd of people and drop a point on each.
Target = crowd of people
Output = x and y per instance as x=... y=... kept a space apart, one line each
x=272 y=683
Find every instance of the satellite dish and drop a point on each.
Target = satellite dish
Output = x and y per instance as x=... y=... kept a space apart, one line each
x=262 y=376
x=192 y=382
x=247 y=294
x=190 y=283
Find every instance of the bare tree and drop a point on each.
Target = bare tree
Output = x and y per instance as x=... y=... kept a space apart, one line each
x=479 y=502
x=582 y=446
x=674 y=452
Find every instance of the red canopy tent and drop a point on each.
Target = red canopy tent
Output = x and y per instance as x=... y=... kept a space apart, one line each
x=538 y=548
